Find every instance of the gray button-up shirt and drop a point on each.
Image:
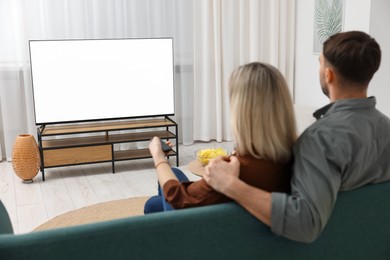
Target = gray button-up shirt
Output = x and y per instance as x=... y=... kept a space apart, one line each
x=347 y=147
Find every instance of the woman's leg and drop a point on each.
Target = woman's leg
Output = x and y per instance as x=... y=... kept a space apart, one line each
x=180 y=175
x=153 y=204
x=157 y=203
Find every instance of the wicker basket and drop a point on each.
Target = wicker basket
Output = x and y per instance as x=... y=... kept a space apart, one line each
x=25 y=157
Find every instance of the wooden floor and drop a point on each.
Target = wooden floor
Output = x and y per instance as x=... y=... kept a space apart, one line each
x=69 y=188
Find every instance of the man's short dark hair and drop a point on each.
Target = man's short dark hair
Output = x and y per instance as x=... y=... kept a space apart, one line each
x=355 y=55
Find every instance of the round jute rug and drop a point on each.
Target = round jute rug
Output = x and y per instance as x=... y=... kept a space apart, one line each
x=99 y=212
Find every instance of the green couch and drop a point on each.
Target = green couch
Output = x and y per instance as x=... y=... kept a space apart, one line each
x=359 y=228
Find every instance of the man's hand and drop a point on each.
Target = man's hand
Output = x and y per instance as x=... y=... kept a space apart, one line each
x=221 y=174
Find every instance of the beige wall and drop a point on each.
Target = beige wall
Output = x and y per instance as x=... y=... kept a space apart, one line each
x=364 y=15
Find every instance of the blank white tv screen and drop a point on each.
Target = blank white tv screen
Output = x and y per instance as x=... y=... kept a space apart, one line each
x=86 y=80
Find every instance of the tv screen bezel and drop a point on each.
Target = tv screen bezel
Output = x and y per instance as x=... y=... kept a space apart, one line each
x=98 y=119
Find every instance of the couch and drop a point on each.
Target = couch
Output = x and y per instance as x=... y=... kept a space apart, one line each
x=359 y=228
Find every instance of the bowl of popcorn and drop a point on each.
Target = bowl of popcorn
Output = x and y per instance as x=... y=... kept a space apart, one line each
x=205 y=155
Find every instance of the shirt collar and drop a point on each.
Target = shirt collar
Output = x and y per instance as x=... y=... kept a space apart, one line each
x=345 y=104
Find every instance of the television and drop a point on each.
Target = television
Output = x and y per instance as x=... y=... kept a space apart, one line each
x=101 y=79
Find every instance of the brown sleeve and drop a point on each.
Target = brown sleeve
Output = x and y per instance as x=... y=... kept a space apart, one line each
x=191 y=194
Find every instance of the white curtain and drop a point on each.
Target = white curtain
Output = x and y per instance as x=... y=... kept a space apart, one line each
x=229 y=33
x=22 y=20
x=211 y=37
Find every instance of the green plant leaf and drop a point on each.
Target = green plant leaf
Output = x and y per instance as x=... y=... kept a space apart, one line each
x=328 y=18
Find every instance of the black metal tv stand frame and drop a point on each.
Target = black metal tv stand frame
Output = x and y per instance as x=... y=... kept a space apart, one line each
x=75 y=144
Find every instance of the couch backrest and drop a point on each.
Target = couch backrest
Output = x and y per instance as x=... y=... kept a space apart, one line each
x=358 y=229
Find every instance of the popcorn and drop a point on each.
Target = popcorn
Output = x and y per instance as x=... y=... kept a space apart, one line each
x=205 y=155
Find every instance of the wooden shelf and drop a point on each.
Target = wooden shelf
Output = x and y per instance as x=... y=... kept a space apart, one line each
x=105 y=139
x=104 y=126
x=94 y=142
x=135 y=154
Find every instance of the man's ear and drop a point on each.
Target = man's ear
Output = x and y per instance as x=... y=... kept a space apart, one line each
x=329 y=75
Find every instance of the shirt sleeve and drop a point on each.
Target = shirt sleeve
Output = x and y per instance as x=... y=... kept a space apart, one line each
x=303 y=214
x=191 y=194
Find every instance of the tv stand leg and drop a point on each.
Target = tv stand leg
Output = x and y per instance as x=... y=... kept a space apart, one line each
x=43 y=173
x=113 y=158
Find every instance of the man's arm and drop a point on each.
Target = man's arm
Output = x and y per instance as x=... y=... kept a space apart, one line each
x=223 y=177
x=299 y=216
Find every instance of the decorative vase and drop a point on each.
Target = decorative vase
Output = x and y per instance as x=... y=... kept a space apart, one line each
x=25 y=157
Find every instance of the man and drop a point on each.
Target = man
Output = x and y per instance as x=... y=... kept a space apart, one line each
x=347 y=147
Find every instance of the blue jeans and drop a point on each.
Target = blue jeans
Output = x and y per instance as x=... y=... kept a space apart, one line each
x=157 y=203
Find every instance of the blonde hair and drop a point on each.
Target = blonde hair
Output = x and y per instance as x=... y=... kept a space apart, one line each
x=263 y=120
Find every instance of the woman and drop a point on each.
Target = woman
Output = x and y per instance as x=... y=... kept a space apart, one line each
x=264 y=131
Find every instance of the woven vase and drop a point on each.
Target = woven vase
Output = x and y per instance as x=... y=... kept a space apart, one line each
x=25 y=157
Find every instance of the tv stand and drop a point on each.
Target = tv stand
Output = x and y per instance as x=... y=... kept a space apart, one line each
x=75 y=144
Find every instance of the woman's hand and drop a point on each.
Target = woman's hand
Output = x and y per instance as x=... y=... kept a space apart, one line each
x=164 y=171
x=156 y=151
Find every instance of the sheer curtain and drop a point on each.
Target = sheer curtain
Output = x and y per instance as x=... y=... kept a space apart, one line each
x=229 y=33
x=211 y=37
x=22 y=20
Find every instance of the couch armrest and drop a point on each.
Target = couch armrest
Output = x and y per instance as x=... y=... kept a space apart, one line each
x=5 y=221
